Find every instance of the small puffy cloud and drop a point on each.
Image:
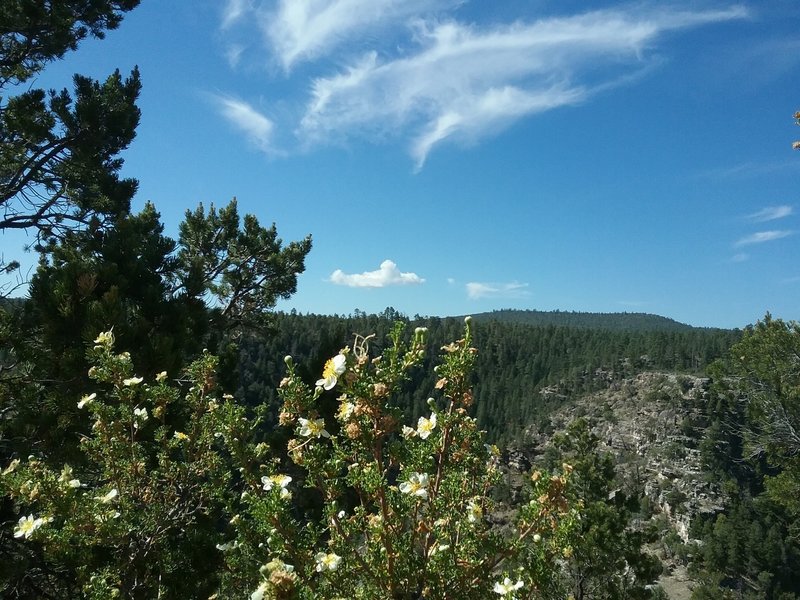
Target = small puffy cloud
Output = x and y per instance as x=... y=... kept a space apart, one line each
x=762 y=236
x=388 y=274
x=477 y=290
x=247 y=119
x=770 y=213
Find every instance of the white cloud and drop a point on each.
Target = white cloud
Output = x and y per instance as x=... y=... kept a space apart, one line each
x=300 y=30
x=770 y=213
x=476 y=290
x=740 y=257
x=465 y=82
x=762 y=236
x=247 y=119
x=417 y=76
x=233 y=53
x=233 y=12
x=388 y=274
x=749 y=169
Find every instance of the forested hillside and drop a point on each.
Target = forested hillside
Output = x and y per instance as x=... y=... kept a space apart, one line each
x=523 y=371
x=631 y=322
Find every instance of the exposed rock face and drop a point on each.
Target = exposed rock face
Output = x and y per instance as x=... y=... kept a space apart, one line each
x=647 y=423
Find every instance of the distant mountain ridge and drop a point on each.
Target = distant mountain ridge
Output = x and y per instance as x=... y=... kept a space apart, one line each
x=623 y=321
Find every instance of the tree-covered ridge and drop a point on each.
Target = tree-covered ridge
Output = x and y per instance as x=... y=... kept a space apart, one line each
x=622 y=321
x=522 y=373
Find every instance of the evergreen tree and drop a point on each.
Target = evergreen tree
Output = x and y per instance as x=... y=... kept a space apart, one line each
x=59 y=154
x=102 y=267
x=606 y=559
x=752 y=549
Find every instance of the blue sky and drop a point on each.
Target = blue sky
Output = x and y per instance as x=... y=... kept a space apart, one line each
x=453 y=157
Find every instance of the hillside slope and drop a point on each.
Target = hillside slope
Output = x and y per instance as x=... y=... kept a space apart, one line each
x=624 y=321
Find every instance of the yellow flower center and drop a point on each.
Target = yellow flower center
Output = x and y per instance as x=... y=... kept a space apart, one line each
x=330 y=370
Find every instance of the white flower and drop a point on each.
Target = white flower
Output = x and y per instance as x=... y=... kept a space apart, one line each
x=417 y=485
x=106 y=338
x=276 y=564
x=537 y=538
x=74 y=483
x=409 y=431
x=131 y=381
x=280 y=481
x=345 y=410
x=327 y=562
x=179 y=435
x=66 y=473
x=11 y=466
x=474 y=511
x=506 y=587
x=27 y=525
x=87 y=399
x=313 y=427
x=260 y=591
x=109 y=496
x=141 y=413
x=161 y=376
x=493 y=450
x=426 y=426
x=333 y=368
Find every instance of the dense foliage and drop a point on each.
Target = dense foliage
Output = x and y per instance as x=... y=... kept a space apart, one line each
x=631 y=322
x=521 y=375
x=752 y=549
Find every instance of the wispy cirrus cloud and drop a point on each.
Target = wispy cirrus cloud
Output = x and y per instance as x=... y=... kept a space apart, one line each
x=300 y=30
x=464 y=82
x=514 y=289
x=425 y=79
x=233 y=11
x=761 y=237
x=771 y=213
x=257 y=128
x=386 y=275
x=749 y=169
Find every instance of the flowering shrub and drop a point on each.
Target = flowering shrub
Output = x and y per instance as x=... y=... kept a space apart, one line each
x=176 y=500
x=139 y=518
x=405 y=511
